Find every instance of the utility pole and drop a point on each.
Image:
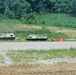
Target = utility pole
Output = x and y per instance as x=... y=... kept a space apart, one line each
x=59 y=16
x=59 y=10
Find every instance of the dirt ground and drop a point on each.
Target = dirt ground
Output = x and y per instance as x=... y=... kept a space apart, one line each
x=70 y=32
x=37 y=69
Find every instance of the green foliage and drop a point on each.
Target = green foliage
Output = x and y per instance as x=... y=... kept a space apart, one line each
x=55 y=19
x=52 y=19
x=17 y=8
x=29 y=18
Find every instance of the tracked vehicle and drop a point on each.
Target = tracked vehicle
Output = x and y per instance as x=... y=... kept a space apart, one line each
x=35 y=37
x=7 y=36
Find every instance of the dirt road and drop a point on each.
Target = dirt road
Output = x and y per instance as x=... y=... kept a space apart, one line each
x=36 y=45
x=32 y=69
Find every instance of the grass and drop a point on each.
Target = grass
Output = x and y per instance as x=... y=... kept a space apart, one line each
x=11 y=21
x=1 y=59
x=25 y=56
x=44 y=21
x=21 y=31
x=41 y=31
x=53 y=19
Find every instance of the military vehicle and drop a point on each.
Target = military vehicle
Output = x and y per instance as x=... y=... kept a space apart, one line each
x=37 y=37
x=7 y=36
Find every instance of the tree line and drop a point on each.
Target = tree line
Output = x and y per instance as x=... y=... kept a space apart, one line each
x=17 y=9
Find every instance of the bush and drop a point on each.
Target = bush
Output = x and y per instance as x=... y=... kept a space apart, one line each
x=1 y=16
x=29 y=18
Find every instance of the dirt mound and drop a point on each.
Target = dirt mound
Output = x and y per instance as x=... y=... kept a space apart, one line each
x=35 y=69
x=33 y=27
x=70 y=32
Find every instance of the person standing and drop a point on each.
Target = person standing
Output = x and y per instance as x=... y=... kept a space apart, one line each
x=52 y=38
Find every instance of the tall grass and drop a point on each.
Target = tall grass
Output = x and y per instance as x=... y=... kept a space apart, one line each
x=53 y=19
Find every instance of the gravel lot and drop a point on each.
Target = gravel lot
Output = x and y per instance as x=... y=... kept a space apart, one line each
x=36 y=45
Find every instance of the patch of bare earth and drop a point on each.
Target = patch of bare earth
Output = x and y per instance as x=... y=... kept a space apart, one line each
x=35 y=69
x=24 y=26
x=33 y=27
x=7 y=60
x=70 y=32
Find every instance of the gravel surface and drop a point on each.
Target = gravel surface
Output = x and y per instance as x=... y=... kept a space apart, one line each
x=7 y=60
x=36 y=45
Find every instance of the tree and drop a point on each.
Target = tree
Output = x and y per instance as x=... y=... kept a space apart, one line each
x=18 y=8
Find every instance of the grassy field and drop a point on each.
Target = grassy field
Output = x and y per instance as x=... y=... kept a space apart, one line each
x=11 y=21
x=23 y=30
x=62 y=20
x=24 y=56
x=53 y=25
x=41 y=31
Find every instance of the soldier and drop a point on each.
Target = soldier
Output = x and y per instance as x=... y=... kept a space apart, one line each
x=52 y=38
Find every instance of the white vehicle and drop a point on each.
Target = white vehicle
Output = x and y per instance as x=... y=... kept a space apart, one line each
x=7 y=36
x=37 y=37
